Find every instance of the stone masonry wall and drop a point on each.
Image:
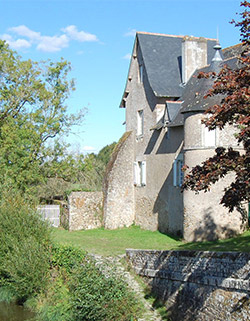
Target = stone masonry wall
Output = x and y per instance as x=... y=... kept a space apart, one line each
x=85 y=210
x=118 y=187
x=197 y=285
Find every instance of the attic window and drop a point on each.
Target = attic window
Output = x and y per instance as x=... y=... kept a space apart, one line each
x=141 y=74
x=140 y=121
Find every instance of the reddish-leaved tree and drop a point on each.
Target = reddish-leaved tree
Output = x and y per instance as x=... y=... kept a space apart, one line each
x=234 y=109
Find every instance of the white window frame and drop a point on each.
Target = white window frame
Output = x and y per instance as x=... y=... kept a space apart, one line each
x=140 y=173
x=140 y=123
x=178 y=174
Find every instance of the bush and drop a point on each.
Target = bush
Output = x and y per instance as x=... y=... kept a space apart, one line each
x=66 y=257
x=96 y=296
x=24 y=247
x=54 y=305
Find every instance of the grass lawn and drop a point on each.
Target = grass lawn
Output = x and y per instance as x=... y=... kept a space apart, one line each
x=115 y=242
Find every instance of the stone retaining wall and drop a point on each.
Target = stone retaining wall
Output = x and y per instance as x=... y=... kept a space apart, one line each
x=85 y=210
x=197 y=285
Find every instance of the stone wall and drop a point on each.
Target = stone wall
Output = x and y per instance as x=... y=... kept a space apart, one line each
x=197 y=285
x=118 y=188
x=85 y=210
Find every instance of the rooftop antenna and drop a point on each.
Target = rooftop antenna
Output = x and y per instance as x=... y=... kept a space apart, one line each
x=217 y=34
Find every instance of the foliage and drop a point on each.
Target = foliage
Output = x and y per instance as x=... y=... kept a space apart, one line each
x=96 y=295
x=81 y=290
x=54 y=304
x=24 y=247
x=66 y=257
x=80 y=173
x=32 y=113
x=234 y=109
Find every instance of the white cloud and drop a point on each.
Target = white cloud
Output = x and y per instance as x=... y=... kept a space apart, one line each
x=53 y=44
x=26 y=32
x=127 y=56
x=44 y=42
x=17 y=44
x=81 y=36
x=130 y=33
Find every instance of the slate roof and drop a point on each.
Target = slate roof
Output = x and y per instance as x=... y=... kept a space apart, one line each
x=162 y=60
x=196 y=89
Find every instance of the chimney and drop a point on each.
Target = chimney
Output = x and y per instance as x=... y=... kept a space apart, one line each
x=194 y=55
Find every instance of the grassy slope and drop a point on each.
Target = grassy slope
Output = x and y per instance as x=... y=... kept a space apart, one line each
x=115 y=242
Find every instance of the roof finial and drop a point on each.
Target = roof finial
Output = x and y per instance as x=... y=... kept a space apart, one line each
x=217 y=35
x=217 y=55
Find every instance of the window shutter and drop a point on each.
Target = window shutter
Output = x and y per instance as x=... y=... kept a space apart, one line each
x=136 y=173
x=175 y=173
x=181 y=176
x=143 y=173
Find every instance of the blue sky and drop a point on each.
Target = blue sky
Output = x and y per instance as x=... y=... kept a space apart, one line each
x=97 y=37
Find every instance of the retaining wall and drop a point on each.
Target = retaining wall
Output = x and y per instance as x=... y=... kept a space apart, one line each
x=197 y=285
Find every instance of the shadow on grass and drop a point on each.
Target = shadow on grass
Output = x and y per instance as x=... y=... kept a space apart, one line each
x=240 y=243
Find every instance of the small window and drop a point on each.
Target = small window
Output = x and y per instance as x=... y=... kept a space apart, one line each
x=141 y=74
x=209 y=137
x=177 y=171
x=140 y=173
x=140 y=121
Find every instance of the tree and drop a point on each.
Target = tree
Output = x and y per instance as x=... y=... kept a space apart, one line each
x=234 y=109
x=68 y=172
x=33 y=113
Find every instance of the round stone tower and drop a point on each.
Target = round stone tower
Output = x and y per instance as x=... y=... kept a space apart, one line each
x=204 y=217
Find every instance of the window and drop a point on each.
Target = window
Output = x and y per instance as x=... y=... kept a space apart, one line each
x=177 y=172
x=140 y=173
x=140 y=120
x=141 y=74
x=209 y=137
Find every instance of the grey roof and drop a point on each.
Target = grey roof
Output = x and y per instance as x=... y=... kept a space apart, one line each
x=162 y=60
x=178 y=120
x=197 y=88
x=172 y=116
x=232 y=51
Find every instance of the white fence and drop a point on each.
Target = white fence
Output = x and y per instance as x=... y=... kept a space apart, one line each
x=50 y=213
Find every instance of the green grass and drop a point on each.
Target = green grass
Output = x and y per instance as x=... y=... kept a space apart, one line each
x=115 y=242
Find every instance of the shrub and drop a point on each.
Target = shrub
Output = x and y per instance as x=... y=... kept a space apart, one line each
x=96 y=296
x=54 y=305
x=66 y=257
x=24 y=247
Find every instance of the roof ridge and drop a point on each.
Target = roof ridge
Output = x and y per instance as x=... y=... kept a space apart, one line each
x=167 y=35
x=158 y=34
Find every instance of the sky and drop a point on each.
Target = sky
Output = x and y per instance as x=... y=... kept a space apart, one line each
x=97 y=37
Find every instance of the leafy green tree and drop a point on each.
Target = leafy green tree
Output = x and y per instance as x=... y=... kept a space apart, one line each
x=234 y=109
x=68 y=172
x=33 y=112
